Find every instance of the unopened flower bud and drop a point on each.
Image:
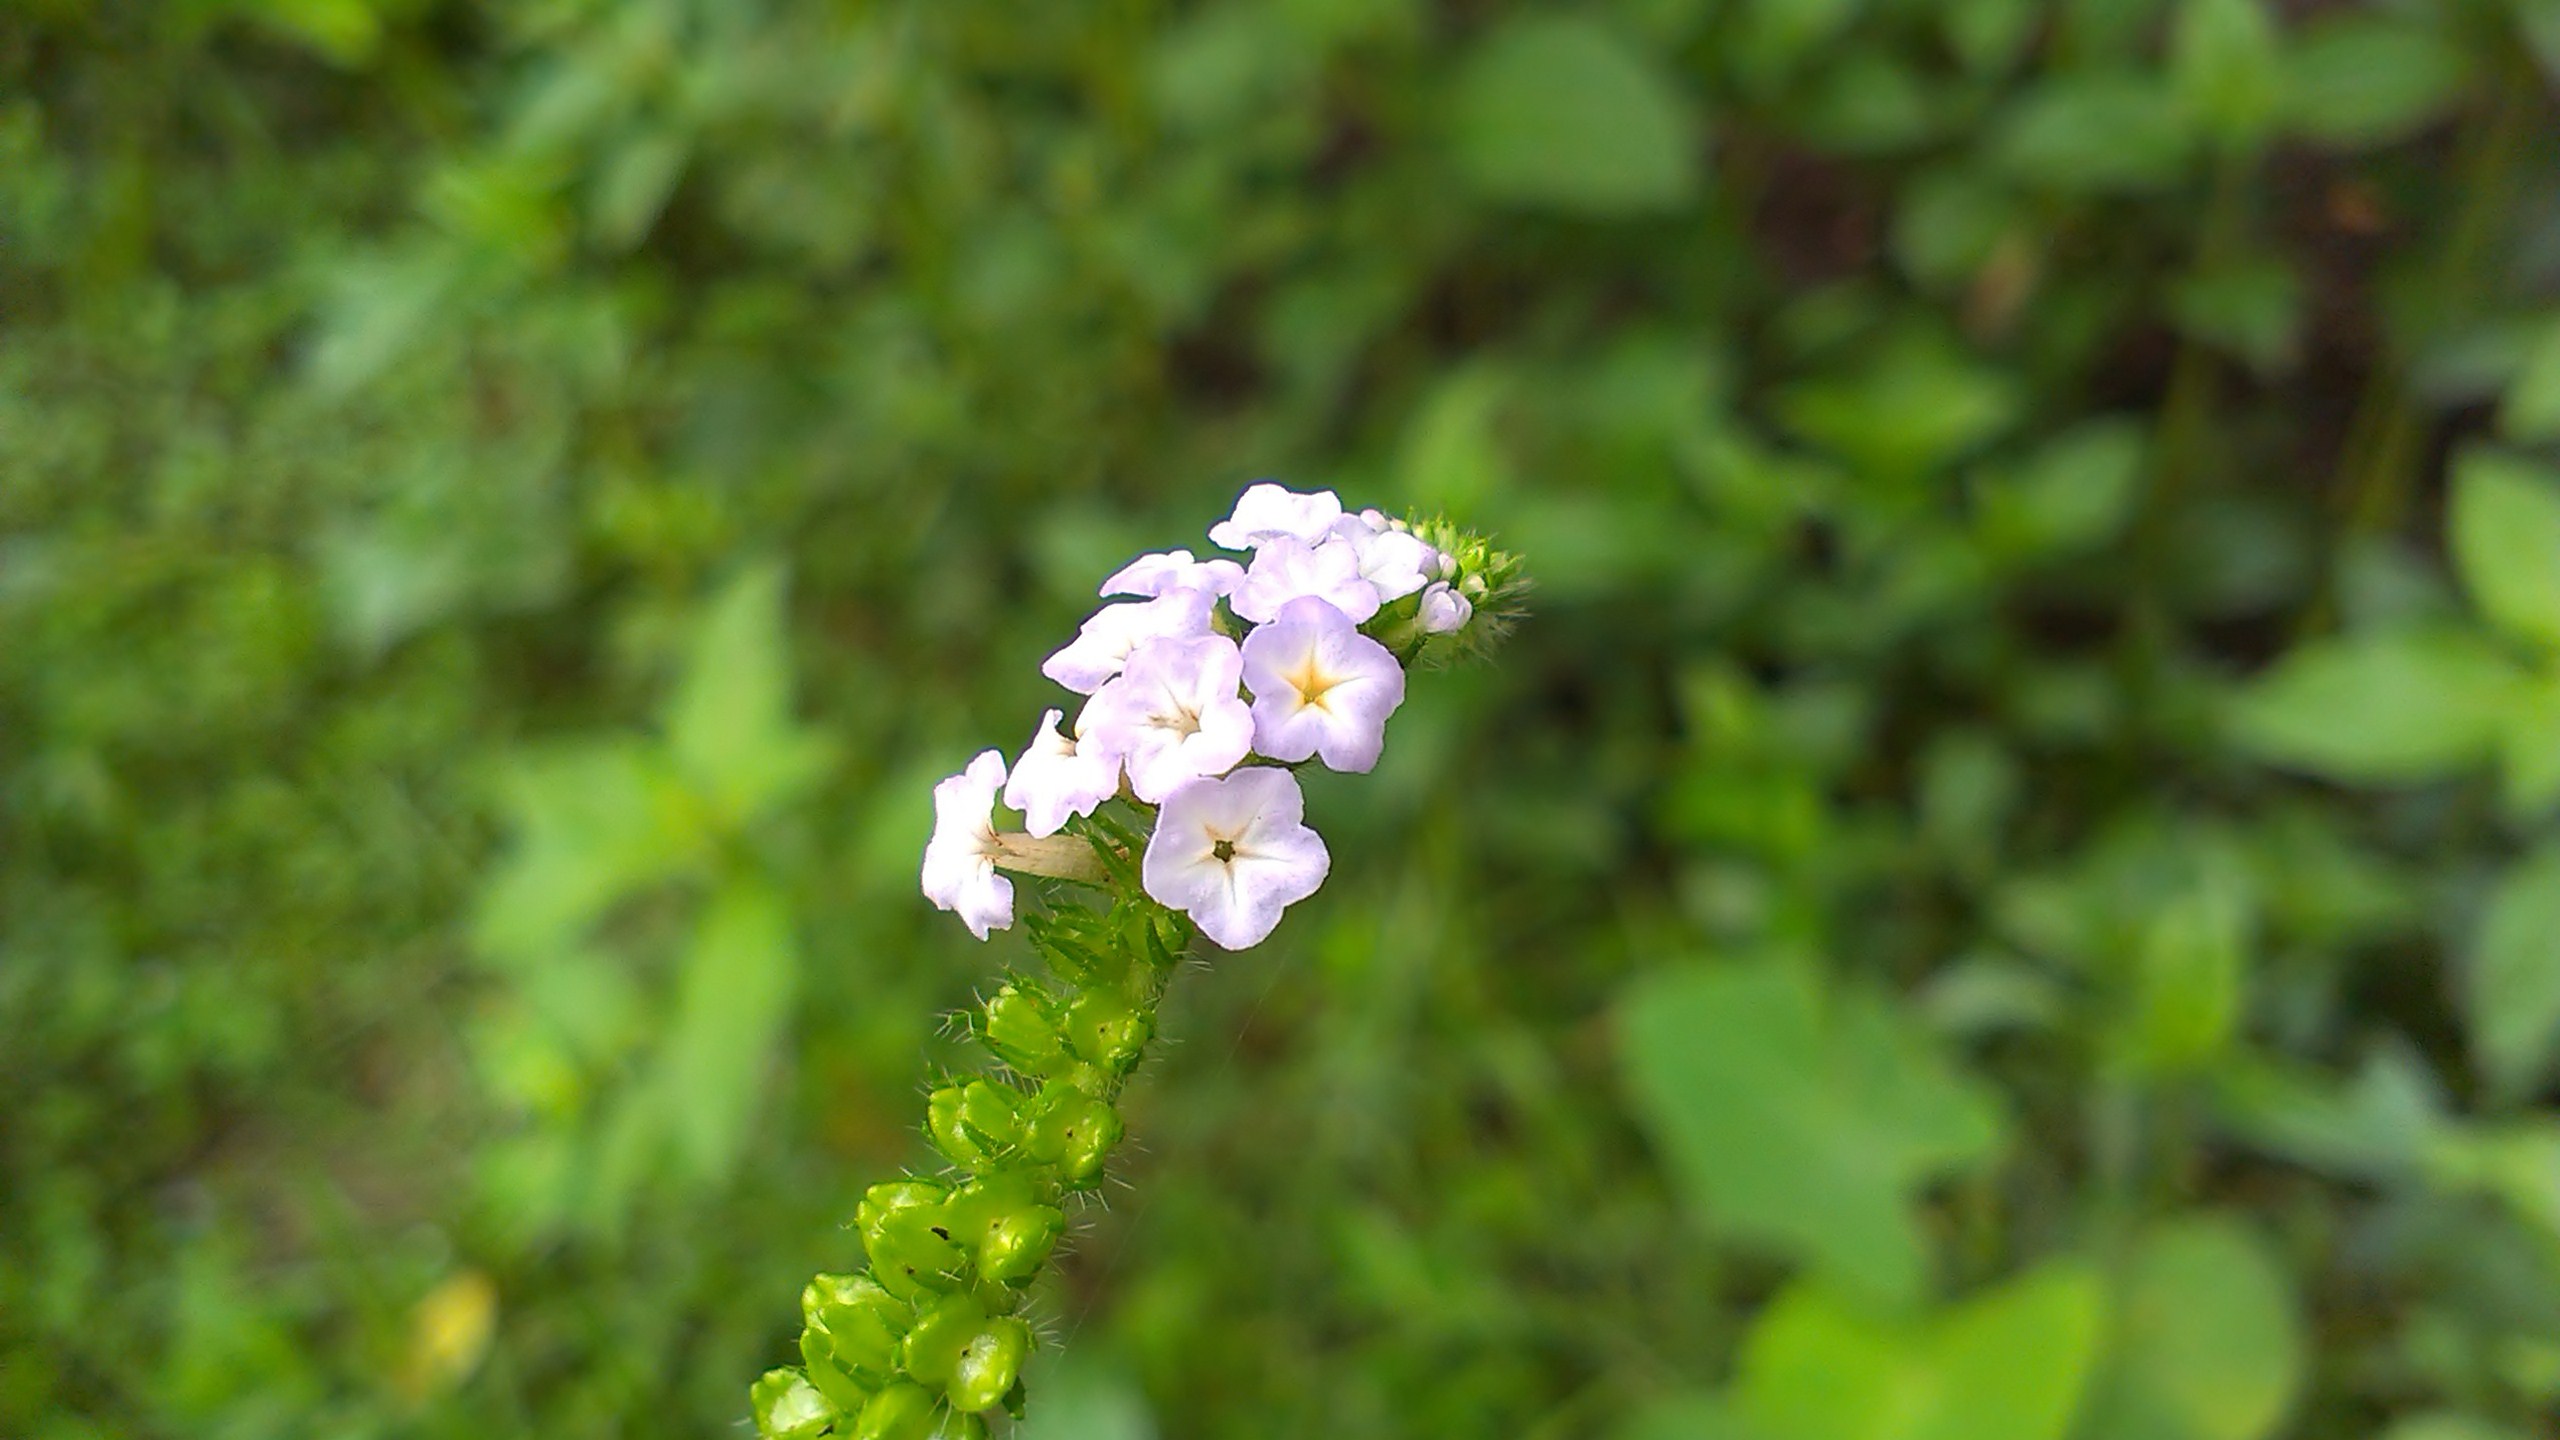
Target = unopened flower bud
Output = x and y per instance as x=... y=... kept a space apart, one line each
x=989 y=1364
x=904 y=1411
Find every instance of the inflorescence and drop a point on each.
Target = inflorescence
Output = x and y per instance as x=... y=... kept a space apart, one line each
x=1171 y=809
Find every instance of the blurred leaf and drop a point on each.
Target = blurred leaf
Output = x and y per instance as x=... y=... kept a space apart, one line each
x=2008 y=1364
x=1770 y=40
x=2446 y=1425
x=729 y=722
x=2506 y=541
x=1919 y=404
x=1801 y=1118
x=1558 y=112
x=2251 y=308
x=2389 y=708
x=1988 y=35
x=2095 y=132
x=593 y=823
x=2362 y=78
x=731 y=1004
x=1686 y=1417
x=2531 y=410
x=2207 y=1342
x=2529 y=761
x=2511 y=994
x=2224 y=62
x=1452 y=456
x=638 y=177
x=2188 y=976
x=2072 y=495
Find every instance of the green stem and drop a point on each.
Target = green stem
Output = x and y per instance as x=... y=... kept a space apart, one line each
x=931 y=1337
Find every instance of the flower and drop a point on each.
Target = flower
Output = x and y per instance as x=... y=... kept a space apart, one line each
x=1320 y=687
x=1444 y=611
x=1267 y=512
x=1102 y=645
x=1396 y=561
x=960 y=861
x=1234 y=853
x=1286 y=569
x=1058 y=777
x=1174 y=570
x=1172 y=715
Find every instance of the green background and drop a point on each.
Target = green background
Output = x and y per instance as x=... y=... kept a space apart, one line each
x=2007 y=890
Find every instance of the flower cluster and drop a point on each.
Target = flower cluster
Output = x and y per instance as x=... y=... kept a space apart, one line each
x=1173 y=798
x=1205 y=681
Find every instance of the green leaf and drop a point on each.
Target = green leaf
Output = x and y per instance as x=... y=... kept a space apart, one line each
x=594 y=823
x=2531 y=410
x=2506 y=541
x=1558 y=112
x=729 y=722
x=1803 y=1120
x=2448 y=1425
x=1686 y=1417
x=2187 y=980
x=2511 y=990
x=2095 y=133
x=2072 y=495
x=2207 y=1343
x=2251 y=307
x=2365 y=79
x=1919 y=404
x=2396 y=707
x=2223 y=61
x=2010 y=1364
x=731 y=1003
x=2529 y=761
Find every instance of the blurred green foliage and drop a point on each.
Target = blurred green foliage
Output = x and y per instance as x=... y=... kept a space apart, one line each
x=2010 y=888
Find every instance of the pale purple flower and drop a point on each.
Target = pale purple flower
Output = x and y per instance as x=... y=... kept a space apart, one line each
x=1173 y=714
x=1057 y=777
x=1444 y=611
x=1267 y=512
x=1397 y=562
x=960 y=860
x=1283 y=570
x=1234 y=853
x=1174 y=570
x=1102 y=646
x=1320 y=687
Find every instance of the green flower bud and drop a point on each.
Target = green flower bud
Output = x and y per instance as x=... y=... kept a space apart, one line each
x=959 y=1425
x=978 y=1204
x=788 y=1407
x=943 y=1331
x=907 y=1236
x=1074 y=1132
x=862 y=1322
x=989 y=1365
x=843 y=1391
x=1103 y=1027
x=1020 y=1024
x=1019 y=1243
x=904 y=1411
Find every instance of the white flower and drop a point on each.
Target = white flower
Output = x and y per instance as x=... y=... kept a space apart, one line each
x=1174 y=570
x=960 y=861
x=1266 y=512
x=1320 y=687
x=1397 y=562
x=1284 y=570
x=1444 y=611
x=1172 y=715
x=1102 y=646
x=1234 y=853
x=1058 y=777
